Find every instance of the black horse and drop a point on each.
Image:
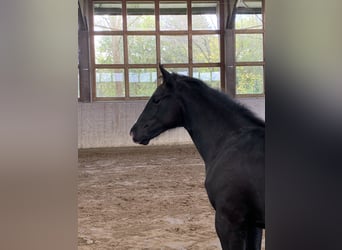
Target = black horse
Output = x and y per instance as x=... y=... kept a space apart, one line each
x=230 y=139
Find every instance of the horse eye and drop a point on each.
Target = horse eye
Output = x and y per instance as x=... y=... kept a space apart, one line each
x=156 y=101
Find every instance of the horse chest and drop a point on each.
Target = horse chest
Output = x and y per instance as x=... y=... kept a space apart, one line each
x=226 y=185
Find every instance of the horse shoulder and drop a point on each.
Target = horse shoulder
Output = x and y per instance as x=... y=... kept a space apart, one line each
x=237 y=173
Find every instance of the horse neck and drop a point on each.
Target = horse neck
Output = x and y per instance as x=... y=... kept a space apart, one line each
x=210 y=124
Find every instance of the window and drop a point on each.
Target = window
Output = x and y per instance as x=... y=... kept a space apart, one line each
x=130 y=38
x=249 y=58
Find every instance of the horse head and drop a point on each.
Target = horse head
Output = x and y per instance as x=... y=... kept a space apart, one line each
x=162 y=112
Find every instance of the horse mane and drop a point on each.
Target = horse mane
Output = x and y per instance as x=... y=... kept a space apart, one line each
x=220 y=99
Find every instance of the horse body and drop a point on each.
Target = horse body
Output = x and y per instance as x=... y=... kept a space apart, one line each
x=235 y=187
x=229 y=138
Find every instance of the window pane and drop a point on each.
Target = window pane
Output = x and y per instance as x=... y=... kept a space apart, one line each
x=110 y=83
x=248 y=21
x=109 y=49
x=173 y=16
x=140 y=16
x=249 y=4
x=249 y=47
x=180 y=71
x=206 y=48
x=142 y=82
x=141 y=49
x=174 y=49
x=210 y=76
x=249 y=80
x=107 y=16
x=205 y=16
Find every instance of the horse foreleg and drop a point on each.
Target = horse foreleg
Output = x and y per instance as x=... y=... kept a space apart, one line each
x=254 y=238
x=232 y=236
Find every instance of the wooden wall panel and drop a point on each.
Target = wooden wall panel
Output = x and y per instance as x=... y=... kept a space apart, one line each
x=107 y=124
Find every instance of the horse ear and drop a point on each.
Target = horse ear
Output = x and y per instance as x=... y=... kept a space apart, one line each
x=165 y=73
x=166 y=76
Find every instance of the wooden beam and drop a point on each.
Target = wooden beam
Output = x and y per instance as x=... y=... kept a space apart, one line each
x=231 y=14
x=83 y=57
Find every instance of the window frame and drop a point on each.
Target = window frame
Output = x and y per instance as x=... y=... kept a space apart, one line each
x=249 y=63
x=157 y=33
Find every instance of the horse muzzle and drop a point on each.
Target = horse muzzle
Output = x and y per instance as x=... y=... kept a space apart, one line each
x=138 y=139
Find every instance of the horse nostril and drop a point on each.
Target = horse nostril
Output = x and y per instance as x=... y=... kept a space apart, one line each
x=146 y=126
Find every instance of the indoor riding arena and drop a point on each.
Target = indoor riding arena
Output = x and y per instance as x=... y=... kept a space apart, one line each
x=133 y=196
x=144 y=198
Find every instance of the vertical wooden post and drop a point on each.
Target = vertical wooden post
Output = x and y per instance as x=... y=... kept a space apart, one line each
x=83 y=58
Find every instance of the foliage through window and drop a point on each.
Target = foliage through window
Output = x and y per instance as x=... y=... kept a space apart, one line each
x=249 y=58
x=130 y=38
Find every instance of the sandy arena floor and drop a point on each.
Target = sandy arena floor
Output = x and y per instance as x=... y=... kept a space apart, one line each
x=144 y=198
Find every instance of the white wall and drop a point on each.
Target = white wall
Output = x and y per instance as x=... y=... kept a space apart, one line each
x=107 y=124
